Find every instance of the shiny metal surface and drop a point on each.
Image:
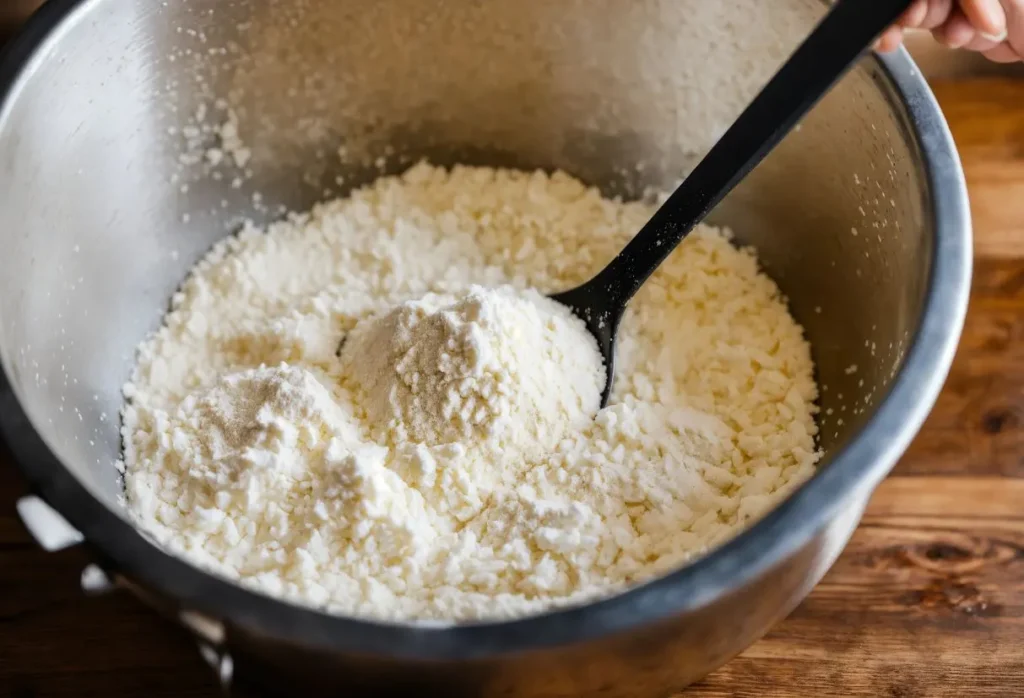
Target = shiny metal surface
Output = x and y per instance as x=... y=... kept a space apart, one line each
x=860 y=216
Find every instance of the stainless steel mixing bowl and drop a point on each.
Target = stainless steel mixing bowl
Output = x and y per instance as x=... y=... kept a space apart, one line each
x=861 y=217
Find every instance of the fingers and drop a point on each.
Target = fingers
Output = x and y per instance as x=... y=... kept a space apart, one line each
x=938 y=12
x=976 y=25
x=986 y=16
x=1014 y=10
x=890 y=40
x=1011 y=49
x=957 y=31
x=981 y=43
x=915 y=14
x=922 y=14
x=994 y=28
x=1002 y=53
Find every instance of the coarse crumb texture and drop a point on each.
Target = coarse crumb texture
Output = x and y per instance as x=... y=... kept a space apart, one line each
x=448 y=461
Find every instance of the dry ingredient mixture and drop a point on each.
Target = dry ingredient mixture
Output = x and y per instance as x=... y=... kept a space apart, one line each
x=371 y=408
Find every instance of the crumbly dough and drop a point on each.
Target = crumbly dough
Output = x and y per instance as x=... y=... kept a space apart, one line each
x=449 y=461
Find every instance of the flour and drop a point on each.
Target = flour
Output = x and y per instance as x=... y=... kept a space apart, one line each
x=512 y=367
x=231 y=143
x=450 y=462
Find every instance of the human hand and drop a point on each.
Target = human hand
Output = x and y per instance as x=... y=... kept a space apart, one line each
x=994 y=28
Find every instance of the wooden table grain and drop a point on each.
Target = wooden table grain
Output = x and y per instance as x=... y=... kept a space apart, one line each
x=927 y=600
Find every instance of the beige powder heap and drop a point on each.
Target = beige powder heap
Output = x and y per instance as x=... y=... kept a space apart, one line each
x=508 y=366
x=450 y=462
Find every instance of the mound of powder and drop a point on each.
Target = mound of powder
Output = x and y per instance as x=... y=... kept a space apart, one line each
x=451 y=462
x=262 y=420
x=258 y=457
x=508 y=366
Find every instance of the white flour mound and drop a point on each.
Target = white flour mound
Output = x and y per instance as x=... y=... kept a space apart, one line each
x=443 y=369
x=450 y=462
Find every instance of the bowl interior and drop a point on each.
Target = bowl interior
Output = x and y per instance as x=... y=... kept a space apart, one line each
x=111 y=152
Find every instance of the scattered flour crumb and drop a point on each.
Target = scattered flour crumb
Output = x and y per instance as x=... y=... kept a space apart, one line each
x=231 y=143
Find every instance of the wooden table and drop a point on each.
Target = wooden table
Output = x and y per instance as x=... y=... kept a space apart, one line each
x=927 y=600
